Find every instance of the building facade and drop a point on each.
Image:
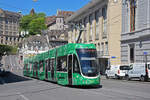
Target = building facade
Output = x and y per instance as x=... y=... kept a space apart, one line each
x=135 y=37
x=57 y=22
x=101 y=20
x=9 y=27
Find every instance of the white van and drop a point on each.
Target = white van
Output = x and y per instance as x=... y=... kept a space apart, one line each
x=138 y=70
x=117 y=71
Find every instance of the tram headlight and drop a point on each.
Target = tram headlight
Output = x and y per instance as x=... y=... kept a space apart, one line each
x=77 y=76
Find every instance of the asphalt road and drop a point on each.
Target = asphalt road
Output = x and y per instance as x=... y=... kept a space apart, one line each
x=12 y=62
x=17 y=87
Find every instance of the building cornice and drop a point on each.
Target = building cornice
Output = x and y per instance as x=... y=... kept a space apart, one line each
x=82 y=10
x=139 y=30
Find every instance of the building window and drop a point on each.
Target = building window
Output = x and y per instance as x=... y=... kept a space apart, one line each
x=1 y=32
x=131 y=52
x=91 y=31
x=10 y=38
x=6 y=38
x=85 y=24
x=6 y=27
x=18 y=39
x=1 y=26
x=104 y=14
x=102 y=51
x=6 y=21
x=2 y=41
x=106 y=48
x=132 y=14
x=97 y=25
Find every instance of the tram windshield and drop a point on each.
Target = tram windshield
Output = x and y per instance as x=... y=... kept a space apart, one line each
x=89 y=65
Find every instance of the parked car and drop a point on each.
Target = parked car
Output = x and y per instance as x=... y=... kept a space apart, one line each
x=117 y=71
x=138 y=70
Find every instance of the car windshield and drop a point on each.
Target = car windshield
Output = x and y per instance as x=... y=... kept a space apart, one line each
x=124 y=67
x=89 y=64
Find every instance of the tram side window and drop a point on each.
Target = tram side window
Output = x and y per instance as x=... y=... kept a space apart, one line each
x=51 y=63
x=35 y=65
x=41 y=66
x=62 y=63
x=30 y=67
x=47 y=64
x=76 y=68
x=27 y=67
x=49 y=67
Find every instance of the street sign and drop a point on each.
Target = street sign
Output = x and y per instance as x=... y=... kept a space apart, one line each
x=113 y=56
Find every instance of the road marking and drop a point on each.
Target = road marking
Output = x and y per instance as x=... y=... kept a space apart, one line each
x=25 y=98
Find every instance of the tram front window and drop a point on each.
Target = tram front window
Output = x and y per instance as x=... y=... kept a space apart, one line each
x=89 y=65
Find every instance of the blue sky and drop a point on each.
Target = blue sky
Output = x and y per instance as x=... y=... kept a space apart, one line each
x=49 y=7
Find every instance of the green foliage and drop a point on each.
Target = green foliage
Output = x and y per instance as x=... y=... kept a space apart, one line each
x=34 y=24
x=14 y=50
x=6 y=49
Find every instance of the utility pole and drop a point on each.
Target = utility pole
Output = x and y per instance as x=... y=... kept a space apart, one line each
x=79 y=27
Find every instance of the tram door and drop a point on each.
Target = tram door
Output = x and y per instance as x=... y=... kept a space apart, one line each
x=52 y=68
x=46 y=68
x=33 y=69
x=36 y=67
x=70 y=69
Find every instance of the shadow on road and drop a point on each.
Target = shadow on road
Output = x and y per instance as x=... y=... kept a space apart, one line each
x=12 y=78
x=86 y=87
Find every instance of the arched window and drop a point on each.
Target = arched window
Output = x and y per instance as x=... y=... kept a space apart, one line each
x=132 y=14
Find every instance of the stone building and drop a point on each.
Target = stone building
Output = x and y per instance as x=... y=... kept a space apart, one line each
x=57 y=38
x=135 y=37
x=32 y=46
x=101 y=20
x=9 y=27
x=57 y=22
x=57 y=32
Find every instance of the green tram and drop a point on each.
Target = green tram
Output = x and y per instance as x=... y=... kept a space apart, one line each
x=71 y=64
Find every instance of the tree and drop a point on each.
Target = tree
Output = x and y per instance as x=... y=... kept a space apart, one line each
x=6 y=49
x=33 y=24
x=36 y=25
